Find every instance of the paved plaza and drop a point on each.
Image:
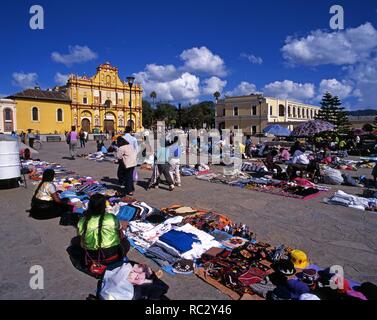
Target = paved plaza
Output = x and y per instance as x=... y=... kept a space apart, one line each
x=329 y=234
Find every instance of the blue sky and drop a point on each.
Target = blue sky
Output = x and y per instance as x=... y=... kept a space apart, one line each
x=186 y=50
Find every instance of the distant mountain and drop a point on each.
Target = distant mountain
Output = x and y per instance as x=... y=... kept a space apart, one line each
x=363 y=113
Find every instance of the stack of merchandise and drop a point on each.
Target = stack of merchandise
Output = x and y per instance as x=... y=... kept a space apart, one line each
x=351 y=201
x=194 y=170
x=294 y=189
x=255 y=166
x=100 y=157
x=39 y=166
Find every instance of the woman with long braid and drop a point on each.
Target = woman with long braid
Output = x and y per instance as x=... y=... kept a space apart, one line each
x=101 y=233
x=46 y=203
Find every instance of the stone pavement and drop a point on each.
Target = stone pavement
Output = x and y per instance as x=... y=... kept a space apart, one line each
x=329 y=234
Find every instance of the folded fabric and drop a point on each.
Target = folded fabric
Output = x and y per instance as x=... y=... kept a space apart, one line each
x=180 y=240
x=221 y=235
x=126 y=213
x=248 y=278
x=263 y=288
x=161 y=254
x=213 y=252
x=185 y=210
x=206 y=241
x=348 y=200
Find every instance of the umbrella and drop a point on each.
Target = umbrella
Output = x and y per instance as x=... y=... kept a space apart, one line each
x=277 y=130
x=311 y=128
x=358 y=132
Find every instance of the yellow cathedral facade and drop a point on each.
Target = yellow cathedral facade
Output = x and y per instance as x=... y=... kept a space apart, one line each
x=102 y=101
x=94 y=104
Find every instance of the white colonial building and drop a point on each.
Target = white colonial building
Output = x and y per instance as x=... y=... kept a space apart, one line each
x=254 y=112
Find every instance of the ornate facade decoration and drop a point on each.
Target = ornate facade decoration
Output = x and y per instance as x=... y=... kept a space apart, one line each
x=102 y=101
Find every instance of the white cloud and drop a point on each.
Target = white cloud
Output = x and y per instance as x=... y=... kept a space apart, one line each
x=202 y=60
x=182 y=83
x=24 y=80
x=61 y=79
x=160 y=72
x=252 y=58
x=288 y=89
x=185 y=87
x=77 y=54
x=342 y=89
x=338 y=48
x=243 y=89
x=3 y=95
x=364 y=74
x=213 y=84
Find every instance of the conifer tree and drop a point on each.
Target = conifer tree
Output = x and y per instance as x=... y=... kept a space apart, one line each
x=340 y=116
x=333 y=112
x=327 y=111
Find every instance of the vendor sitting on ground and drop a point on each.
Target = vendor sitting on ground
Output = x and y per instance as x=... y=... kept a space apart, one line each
x=299 y=162
x=100 y=145
x=270 y=161
x=46 y=203
x=101 y=233
x=26 y=154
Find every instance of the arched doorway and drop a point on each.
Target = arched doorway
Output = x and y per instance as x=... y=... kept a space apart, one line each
x=8 y=120
x=109 y=122
x=131 y=123
x=85 y=125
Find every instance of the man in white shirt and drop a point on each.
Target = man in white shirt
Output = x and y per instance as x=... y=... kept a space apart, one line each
x=300 y=158
x=299 y=162
x=131 y=139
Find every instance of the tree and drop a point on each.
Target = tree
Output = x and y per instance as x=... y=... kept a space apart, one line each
x=341 y=121
x=327 y=111
x=375 y=122
x=368 y=127
x=153 y=96
x=217 y=95
x=148 y=114
x=333 y=112
x=166 y=112
x=203 y=112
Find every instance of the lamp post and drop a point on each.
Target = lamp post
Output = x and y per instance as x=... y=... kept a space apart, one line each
x=106 y=105
x=130 y=81
x=260 y=100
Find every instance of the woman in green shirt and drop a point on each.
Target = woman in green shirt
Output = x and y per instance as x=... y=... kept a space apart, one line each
x=101 y=233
